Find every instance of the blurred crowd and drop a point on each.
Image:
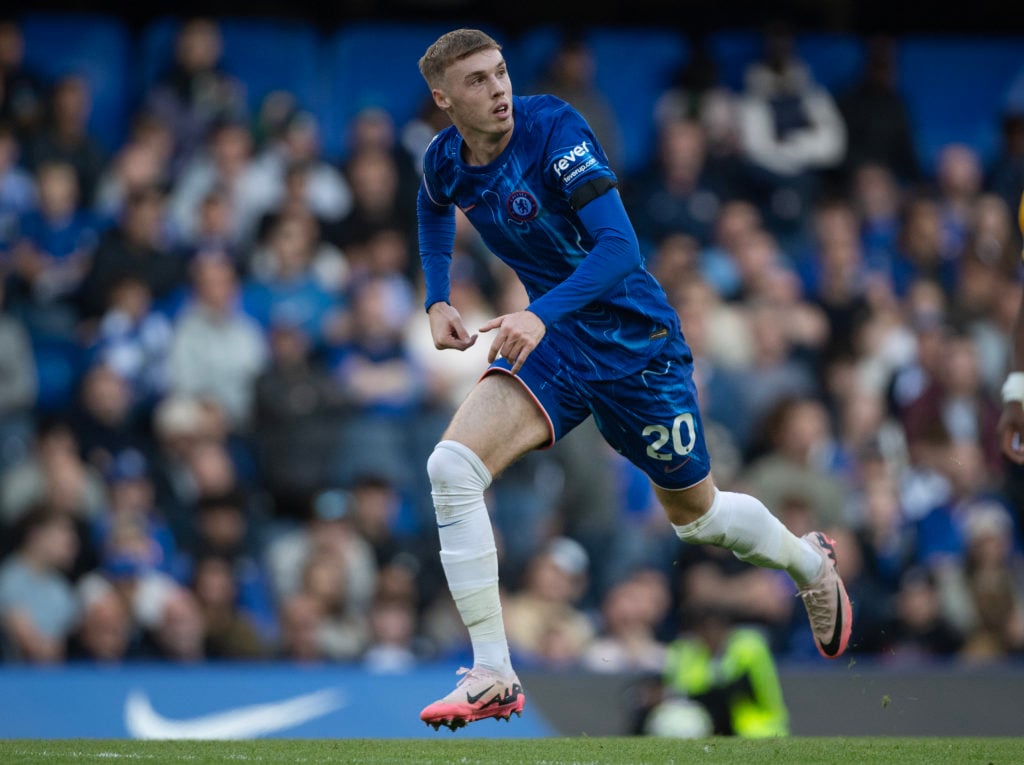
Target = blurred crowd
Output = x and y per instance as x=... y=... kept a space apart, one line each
x=218 y=388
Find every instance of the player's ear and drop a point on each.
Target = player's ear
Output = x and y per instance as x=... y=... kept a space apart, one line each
x=440 y=99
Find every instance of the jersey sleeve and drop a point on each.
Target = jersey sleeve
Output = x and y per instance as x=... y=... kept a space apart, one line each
x=435 y=222
x=577 y=166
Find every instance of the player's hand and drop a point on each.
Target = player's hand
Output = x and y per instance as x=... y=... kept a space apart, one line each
x=518 y=334
x=1011 y=431
x=447 y=328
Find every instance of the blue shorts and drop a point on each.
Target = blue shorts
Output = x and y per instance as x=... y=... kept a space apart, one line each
x=650 y=417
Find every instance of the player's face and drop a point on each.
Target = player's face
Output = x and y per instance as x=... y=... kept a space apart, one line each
x=478 y=93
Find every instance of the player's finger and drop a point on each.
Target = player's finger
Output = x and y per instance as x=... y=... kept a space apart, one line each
x=520 y=360
x=462 y=338
x=492 y=324
x=499 y=341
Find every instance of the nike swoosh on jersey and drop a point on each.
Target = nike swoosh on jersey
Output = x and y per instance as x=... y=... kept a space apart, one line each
x=143 y=722
x=674 y=468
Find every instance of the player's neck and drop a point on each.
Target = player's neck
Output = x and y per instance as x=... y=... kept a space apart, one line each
x=483 y=148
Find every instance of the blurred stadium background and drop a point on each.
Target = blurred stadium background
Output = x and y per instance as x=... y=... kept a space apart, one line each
x=217 y=389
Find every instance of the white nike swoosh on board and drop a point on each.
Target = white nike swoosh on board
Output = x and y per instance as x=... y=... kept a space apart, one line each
x=143 y=722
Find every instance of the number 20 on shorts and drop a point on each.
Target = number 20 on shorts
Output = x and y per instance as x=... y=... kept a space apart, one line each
x=662 y=435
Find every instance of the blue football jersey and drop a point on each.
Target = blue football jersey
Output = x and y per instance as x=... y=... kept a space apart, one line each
x=519 y=203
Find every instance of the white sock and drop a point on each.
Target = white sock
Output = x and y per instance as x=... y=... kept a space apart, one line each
x=741 y=523
x=458 y=480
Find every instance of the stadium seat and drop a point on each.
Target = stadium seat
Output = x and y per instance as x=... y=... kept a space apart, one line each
x=93 y=45
x=835 y=60
x=733 y=50
x=634 y=67
x=58 y=362
x=955 y=89
x=528 y=54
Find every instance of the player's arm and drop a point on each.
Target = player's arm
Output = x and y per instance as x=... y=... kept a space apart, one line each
x=615 y=254
x=436 y=229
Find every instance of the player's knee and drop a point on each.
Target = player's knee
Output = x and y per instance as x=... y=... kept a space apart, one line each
x=454 y=468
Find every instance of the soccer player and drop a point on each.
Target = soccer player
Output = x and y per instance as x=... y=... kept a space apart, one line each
x=1011 y=423
x=598 y=338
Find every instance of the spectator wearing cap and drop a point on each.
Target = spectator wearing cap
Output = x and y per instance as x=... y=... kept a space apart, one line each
x=542 y=620
x=128 y=567
x=132 y=499
x=38 y=610
x=178 y=427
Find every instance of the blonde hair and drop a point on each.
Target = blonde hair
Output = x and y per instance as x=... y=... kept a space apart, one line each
x=451 y=47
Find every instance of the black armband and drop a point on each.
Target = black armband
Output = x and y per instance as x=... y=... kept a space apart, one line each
x=591 y=190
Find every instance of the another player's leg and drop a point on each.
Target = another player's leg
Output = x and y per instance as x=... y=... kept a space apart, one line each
x=497 y=424
x=741 y=523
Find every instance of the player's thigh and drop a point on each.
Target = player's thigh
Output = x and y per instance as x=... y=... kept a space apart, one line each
x=500 y=421
x=652 y=418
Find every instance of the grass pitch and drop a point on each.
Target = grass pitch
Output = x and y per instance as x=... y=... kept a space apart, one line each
x=553 y=751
